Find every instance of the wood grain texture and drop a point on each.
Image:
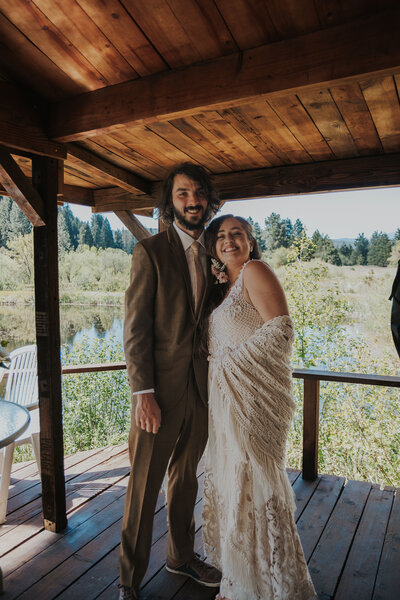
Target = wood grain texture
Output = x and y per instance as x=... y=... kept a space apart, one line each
x=336 y=539
x=133 y=224
x=359 y=574
x=327 y=118
x=307 y=62
x=39 y=29
x=43 y=76
x=20 y=189
x=354 y=110
x=310 y=429
x=388 y=578
x=353 y=173
x=383 y=102
x=293 y=114
x=113 y=20
x=83 y=34
x=121 y=177
x=45 y=177
x=21 y=123
x=196 y=152
x=273 y=131
x=114 y=199
x=230 y=142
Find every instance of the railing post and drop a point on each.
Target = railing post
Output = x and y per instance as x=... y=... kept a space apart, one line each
x=310 y=429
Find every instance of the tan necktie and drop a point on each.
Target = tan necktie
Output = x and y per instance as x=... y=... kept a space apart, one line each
x=200 y=279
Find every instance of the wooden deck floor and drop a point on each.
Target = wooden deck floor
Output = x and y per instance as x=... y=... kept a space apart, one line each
x=350 y=534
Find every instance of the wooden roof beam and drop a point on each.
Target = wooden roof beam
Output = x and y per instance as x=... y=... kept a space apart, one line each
x=121 y=177
x=329 y=176
x=20 y=189
x=21 y=124
x=138 y=230
x=366 y=47
x=114 y=199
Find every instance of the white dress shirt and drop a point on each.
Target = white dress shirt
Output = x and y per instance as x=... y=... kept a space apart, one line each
x=187 y=242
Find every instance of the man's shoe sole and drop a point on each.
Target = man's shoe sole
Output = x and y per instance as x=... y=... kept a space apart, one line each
x=196 y=579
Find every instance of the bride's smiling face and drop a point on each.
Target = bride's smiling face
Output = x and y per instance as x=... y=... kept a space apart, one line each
x=232 y=246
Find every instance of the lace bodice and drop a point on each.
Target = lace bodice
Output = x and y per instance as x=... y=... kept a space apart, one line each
x=233 y=321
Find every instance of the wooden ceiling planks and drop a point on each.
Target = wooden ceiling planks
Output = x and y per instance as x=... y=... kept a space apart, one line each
x=274 y=132
x=326 y=116
x=83 y=34
x=293 y=114
x=118 y=154
x=230 y=141
x=152 y=146
x=35 y=25
x=180 y=31
x=354 y=110
x=121 y=145
x=42 y=76
x=383 y=102
x=197 y=153
x=116 y=24
x=334 y=12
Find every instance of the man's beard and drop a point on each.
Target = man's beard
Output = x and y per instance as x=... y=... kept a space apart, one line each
x=180 y=218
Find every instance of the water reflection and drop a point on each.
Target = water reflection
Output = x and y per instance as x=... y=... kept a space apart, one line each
x=17 y=324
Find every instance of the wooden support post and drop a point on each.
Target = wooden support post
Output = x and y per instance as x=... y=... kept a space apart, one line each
x=44 y=178
x=310 y=429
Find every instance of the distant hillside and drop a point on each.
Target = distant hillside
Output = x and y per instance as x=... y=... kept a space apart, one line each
x=340 y=241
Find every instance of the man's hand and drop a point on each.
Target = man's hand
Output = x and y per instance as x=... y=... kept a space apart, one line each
x=148 y=413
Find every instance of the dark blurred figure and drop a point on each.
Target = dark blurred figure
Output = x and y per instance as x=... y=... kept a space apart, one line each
x=395 y=319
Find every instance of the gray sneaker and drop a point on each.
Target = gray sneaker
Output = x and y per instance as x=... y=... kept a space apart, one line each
x=198 y=570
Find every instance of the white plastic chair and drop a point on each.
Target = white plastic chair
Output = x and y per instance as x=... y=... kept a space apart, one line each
x=21 y=388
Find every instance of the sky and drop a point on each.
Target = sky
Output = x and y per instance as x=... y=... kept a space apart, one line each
x=337 y=214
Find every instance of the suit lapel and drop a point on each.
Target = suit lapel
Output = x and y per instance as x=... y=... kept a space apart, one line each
x=179 y=255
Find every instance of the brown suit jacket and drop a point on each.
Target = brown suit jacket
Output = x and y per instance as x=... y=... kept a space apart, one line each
x=161 y=330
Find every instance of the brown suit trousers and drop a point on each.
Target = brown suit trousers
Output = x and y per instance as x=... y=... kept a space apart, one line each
x=161 y=349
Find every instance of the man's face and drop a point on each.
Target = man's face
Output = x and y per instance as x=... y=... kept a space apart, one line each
x=189 y=203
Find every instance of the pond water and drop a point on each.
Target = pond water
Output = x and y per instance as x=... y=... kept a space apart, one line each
x=17 y=324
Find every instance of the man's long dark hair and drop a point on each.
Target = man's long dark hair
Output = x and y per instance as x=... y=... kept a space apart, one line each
x=198 y=174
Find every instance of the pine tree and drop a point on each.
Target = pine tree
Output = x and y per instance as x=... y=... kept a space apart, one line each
x=85 y=235
x=380 y=248
x=96 y=227
x=64 y=238
x=72 y=224
x=360 y=253
x=118 y=240
x=128 y=241
x=107 y=235
x=5 y=209
x=258 y=234
x=276 y=232
x=19 y=223
x=298 y=228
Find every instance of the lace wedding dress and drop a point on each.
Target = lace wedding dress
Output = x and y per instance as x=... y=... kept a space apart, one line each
x=248 y=526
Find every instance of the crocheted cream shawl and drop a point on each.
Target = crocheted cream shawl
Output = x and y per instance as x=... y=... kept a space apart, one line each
x=256 y=378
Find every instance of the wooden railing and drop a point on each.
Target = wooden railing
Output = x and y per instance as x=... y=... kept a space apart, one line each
x=312 y=378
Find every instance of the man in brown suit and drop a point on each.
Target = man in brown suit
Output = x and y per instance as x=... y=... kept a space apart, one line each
x=170 y=281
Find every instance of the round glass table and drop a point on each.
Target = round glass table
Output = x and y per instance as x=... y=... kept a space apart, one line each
x=14 y=419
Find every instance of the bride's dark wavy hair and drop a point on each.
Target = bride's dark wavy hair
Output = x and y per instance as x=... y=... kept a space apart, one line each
x=214 y=227
x=195 y=172
x=219 y=291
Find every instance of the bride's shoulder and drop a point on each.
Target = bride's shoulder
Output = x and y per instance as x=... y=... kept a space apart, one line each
x=258 y=272
x=256 y=268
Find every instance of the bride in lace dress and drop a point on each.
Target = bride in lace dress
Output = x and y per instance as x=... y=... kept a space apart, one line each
x=248 y=525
